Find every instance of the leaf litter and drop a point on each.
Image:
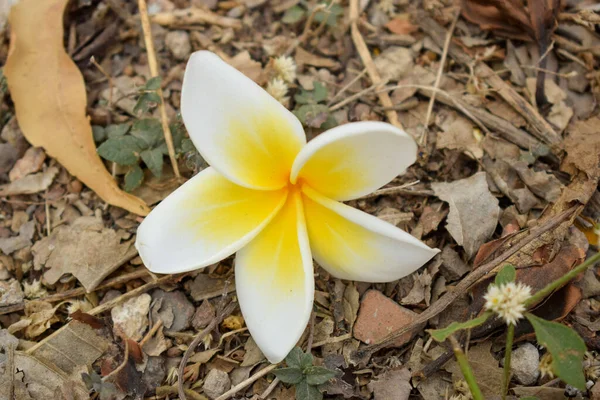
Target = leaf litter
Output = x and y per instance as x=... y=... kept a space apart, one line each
x=486 y=175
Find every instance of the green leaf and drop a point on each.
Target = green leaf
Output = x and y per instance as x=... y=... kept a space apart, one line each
x=145 y=101
x=318 y=375
x=330 y=15
x=507 y=274
x=116 y=130
x=294 y=358
x=178 y=135
x=123 y=150
x=187 y=146
x=306 y=361
x=153 y=160
x=293 y=14
x=99 y=133
x=149 y=131
x=442 y=334
x=133 y=178
x=153 y=83
x=319 y=92
x=304 y=391
x=289 y=375
x=313 y=115
x=565 y=346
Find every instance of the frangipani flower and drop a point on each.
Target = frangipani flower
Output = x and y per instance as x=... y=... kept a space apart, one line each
x=276 y=201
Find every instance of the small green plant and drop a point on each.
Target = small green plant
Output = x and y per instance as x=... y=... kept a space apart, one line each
x=304 y=375
x=511 y=301
x=310 y=109
x=143 y=140
x=329 y=14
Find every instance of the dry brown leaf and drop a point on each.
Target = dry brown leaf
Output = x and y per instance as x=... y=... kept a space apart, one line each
x=583 y=148
x=30 y=184
x=31 y=162
x=473 y=212
x=392 y=385
x=85 y=249
x=401 y=25
x=156 y=344
x=303 y=57
x=253 y=354
x=37 y=380
x=485 y=368
x=74 y=346
x=50 y=100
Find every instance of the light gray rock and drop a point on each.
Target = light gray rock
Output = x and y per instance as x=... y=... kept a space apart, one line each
x=216 y=383
x=178 y=43
x=525 y=364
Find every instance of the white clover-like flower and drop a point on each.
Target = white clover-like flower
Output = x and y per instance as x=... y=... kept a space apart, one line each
x=278 y=89
x=35 y=290
x=507 y=300
x=278 y=202
x=285 y=67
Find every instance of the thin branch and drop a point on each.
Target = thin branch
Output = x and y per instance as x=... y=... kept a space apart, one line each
x=247 y=382
x=438 y=78
x=152 y=63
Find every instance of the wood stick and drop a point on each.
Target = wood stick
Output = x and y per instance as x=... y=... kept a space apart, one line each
x=153 y=64
x=365 y=55
x=192 y=16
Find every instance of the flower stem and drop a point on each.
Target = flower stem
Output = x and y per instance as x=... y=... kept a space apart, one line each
x=551 y=287
x=465 y=368
x=510 y=335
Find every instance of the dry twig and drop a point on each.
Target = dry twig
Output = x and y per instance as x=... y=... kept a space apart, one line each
x=152 y=63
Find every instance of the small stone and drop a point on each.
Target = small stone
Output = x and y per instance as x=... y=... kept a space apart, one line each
x=203 y=315
x=10 y=293
x=173 y=308
x=155 y=372
x=525 y=364
x=131 y=318
x=178 y=43
x=379 y=316
x=216 y=383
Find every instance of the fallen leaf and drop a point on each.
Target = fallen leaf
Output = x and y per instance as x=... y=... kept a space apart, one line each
x=85 y=249
x=394 y=384
x=49 y=95
x=41 y=316
x=37 y=380
x=394 y=63
x=351 y=304
x=31 y=162
x=75 y=345
x=401 y=25
x=507 y=182
x=30 y=184
x=303 y=57
x=473 y=212
x=488 y=374
x=131 y=318
x=541 y=183
x=540 y=392
x=459 y=134
x=14 y=243
x=8 y=156
x=203 y=357
x=253 y=354
x=246 y=65
x=157 y=344
x=582 y=145
x=421 y=290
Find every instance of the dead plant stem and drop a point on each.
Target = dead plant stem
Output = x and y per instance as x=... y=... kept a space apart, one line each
x=247 y=382
x=153 y=64
x=440 y=71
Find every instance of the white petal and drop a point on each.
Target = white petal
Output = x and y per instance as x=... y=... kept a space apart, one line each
x=353 y=160
x=351 y=244
x=205 y=220
x=274 y=282
x=238 y=128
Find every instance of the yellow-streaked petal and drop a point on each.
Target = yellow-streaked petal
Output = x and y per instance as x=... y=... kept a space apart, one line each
x=205 y=220
x=351 y=244
x=353 y=160
x=274 y=281
x=237 y=127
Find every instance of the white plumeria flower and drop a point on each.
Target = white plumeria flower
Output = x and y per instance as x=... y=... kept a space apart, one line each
x=276 y=201
x=507 y=300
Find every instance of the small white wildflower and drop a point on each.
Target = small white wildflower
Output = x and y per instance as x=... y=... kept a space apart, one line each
x=79 y=305
x=285 y=68
x=278 y=89
x=507 y=300
x=545 y=366
x=34 y=290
